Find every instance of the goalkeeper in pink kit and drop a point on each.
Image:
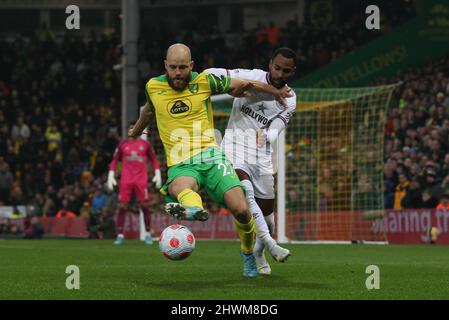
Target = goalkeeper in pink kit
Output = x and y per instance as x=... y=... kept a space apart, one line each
x=134 y=155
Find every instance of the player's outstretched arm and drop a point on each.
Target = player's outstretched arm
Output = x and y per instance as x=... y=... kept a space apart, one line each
x=111 y=182
x=241 y=88
x=142 y=122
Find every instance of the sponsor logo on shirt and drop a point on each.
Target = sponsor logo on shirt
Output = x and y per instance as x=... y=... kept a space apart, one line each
x=262 y=108
x=179 y=108
x=253 y=114
x=134 y=157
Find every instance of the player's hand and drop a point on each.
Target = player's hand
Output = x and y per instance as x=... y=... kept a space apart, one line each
x=242 y=91
x=284 y=92
x=111 y=183
x=157 y=179
x=132 y=134
x=261 y=137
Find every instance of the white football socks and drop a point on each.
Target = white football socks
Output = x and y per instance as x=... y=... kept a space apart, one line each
x=260 y=224
x=270 y=223
x=259 y=245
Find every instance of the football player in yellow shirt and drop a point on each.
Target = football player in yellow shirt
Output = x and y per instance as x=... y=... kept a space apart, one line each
x=180 y=100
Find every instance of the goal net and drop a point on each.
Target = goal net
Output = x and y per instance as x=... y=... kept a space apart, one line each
x=330 y=183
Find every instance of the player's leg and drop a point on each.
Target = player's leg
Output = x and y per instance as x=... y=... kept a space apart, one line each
x=267 y=207
x=124 y=197
x=120 y=222
x=261 y=227
x=236 y=203
x=185 y=188
x=262 y=186
x=263 y=267
x=143 y=202
x=264 y=197
x=183 y=185
x=223 y=187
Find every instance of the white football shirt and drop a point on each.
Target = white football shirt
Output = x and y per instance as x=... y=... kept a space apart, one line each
x=248 y=115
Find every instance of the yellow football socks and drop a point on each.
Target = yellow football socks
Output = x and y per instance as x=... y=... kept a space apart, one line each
x=246 y=234
x=188 y=197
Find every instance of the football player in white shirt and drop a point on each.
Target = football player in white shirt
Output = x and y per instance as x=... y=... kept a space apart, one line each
x=253 y=128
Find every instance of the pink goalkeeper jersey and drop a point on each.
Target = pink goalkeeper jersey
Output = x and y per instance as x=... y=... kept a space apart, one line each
x=134 y=156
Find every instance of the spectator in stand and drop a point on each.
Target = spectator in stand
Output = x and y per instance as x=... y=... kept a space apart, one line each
x=261 y=35
x=445 y=166
x=98 y=200
x=273 y=35
x=53 y=137
x=6 y=182
x=34 y=229
x=96 y=213
x=413 y=195
x=64 y=212
x=389 y=194
x=400 y=190
x=432 y=190
x=20 y=129
x=444 y=203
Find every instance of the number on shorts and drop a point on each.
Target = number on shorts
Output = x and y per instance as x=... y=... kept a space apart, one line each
x=226 y=169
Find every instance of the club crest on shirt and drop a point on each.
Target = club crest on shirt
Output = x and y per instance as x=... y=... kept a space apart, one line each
x=193 y=88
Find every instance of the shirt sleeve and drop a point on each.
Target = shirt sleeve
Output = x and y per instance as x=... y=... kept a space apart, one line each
x=219 y=72
x=280 y=121
x=116 y=158
x=286 y=114
x=147 y=95
x=218 y=84
x=244 y=74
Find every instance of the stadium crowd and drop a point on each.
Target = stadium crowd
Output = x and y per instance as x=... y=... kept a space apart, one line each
x=416 y=166
x=60 y=110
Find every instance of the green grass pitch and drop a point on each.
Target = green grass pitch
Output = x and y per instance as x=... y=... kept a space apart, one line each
x=36 y=270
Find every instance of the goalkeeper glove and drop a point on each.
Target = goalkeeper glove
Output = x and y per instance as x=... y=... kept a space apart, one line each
x=111 y=183
x=157 y=179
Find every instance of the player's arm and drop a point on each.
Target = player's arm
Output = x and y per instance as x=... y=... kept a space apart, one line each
x=240 y=87
x=111 y=182
x=145 y=115
x=274 y=128
x=142 y=122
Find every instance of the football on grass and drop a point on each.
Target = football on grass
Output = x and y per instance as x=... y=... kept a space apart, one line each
x=176 y=242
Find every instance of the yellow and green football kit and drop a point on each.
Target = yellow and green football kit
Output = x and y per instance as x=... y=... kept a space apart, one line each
x=185 y=123
x=186 y=128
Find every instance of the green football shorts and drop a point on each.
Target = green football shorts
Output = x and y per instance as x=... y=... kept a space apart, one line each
x=212 y=171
